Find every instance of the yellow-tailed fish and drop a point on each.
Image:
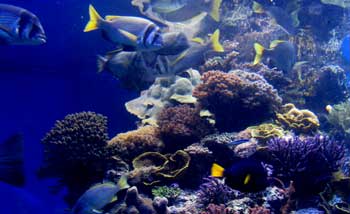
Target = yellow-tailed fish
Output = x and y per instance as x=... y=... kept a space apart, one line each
x=132 y=33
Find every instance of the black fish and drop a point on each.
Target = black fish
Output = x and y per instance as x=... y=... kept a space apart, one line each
x=18 y=26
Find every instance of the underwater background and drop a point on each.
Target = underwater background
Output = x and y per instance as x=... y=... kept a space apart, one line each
x=287 y=103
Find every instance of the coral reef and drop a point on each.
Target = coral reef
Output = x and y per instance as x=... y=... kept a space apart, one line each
x=300 y=121
x=165 y=91
x=265 y=132
x=170 y=193
x=133 y=143
x=75 y=151
x=237 y=99
x=182 y=125
x=217 y=209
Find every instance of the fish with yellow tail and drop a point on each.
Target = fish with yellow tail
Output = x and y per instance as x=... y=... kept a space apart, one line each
x=195 y=54
x=129 y=32
x=245 y=175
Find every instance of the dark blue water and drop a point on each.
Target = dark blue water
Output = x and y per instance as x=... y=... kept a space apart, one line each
x=40 y=84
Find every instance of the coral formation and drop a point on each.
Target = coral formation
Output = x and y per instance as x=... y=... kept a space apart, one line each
x=133 y=143
x=170 y=193
x=217 y=209
x=237 y=99
x=265 y=132
x=300 y=121
x=339 y=117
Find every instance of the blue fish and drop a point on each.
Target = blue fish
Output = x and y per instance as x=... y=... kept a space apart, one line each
x=237 y=142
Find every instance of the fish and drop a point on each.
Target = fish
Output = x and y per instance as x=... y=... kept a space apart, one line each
x=288 y=22
x=19 y=26
x=340 y=3
x=179 y=10
x=237 y=142
x=129 y=32
x=99 y=196
x=245 y=175
x=195 y=55
x=173 y=43
x=281 y=53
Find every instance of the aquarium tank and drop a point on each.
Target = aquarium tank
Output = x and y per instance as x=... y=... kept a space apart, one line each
x=175 y=107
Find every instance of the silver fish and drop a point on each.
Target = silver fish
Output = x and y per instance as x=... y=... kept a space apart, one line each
x=18 y=26
x=132 y=33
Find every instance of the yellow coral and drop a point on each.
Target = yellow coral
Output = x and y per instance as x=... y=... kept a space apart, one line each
x=301 y=121
x=266 y=131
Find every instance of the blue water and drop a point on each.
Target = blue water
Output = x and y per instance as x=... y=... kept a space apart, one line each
x=40 y=84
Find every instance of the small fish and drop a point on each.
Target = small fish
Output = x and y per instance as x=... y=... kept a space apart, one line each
x=18 y=26
x=288 y=22
x=173 y=43
x=340 y=3
x=245 y=175
x=281 y=53
x=195 y=55
x=99 y=196
x=132 y=33
x=237 y=142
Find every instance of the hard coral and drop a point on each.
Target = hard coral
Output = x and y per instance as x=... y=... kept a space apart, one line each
x=300 y=121
x=133 y=143
x=237 y=98
x=217 y=209
x=265 y=132
x=182 y=125
x=75 y=151
x=309 y=162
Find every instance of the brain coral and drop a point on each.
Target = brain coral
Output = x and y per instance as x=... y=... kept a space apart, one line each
x=237 y=98
x=133 y=143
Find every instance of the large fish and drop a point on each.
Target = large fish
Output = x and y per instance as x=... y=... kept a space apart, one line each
x=132 y=33
x=18 y=26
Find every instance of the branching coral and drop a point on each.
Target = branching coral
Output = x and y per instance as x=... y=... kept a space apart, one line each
x=237 y=99
x=133 y=143
x=300 y=121
x=309 y=162
x=182 y=125
x=75 y=151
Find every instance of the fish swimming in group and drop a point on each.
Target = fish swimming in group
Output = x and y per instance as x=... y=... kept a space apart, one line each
x=281 y=53
x=288 y=22
x=99 y=196
x=179 y=10
x=195 y=55
x=246 y=175
x=129 y=32
x=18 y=26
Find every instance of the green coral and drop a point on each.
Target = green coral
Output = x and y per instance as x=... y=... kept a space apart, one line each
x=171 y=193
x=339 y=117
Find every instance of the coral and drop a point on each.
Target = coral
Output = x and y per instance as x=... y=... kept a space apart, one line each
x=265 y=132
x=259 y=210
x=300 y=121
x=165 y=91
x=237 y=98
x=214 y=191
x=309 y=162
x=133 y=143
x=152 y=167
x=182 y=125
x=135 y=203
x=339 y=117
x=247 y=149
x=170 y=193
x=217 y=209
x=75 y=151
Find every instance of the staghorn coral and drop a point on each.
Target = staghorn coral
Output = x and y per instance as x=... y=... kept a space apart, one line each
x=309 y=162
x=182 y=125
x=133 y=143
x=300 y=121
x=237 y=98
x=75 y=151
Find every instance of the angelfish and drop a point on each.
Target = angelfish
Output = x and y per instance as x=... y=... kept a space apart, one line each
x=132 y=33
x=18 y=26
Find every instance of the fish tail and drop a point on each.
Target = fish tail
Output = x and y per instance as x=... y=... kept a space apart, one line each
x=257 y=8
x=123 y=182
x=217 y=47
x=259 y=50
x=217 y=170
x=101 y=63
x=215 y=10
x=95 y=20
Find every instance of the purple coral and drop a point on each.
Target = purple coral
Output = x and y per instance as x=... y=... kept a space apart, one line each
x=237 y=98
x=309 y=162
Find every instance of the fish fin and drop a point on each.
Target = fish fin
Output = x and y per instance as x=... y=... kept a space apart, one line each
x=97 y=211
x=198 y=40
x=274 y=43
x=180 y=57
x=217 y=47
x=217 y=170
x=215 y=10
x=101 y=63
x=110 y=18
x=247 y=179
x=257 y=8
x=259 y=50
x=94 y=21
x=123 y=182
x=130 y=36
x=118 y=50
x=11 y=161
